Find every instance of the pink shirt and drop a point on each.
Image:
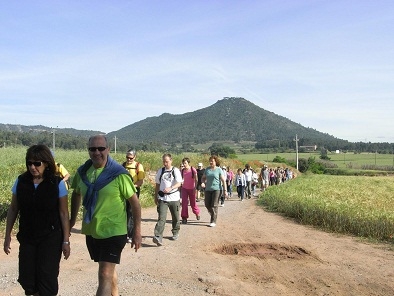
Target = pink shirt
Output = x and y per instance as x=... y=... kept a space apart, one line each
x=188 y=180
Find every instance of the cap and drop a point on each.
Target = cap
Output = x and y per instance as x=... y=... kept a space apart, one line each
x=223 y=167
x=200 y=164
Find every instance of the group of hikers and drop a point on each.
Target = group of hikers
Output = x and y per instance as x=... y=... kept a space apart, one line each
x=109 y=193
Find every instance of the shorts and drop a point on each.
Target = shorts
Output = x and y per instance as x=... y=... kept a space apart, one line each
x=106 y=249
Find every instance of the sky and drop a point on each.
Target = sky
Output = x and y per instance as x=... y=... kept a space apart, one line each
x=103 y=65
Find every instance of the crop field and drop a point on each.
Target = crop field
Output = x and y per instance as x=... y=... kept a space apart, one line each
x=361 y=206
x=342 y=160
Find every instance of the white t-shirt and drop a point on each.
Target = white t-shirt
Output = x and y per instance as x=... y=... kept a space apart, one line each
x=248 y=175
x=168 y=180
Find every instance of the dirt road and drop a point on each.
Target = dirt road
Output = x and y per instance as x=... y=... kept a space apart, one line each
x=249 y=252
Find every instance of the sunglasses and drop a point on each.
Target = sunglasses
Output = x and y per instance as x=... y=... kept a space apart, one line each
x=93 y=149
x=130 y=158
x=35 y=163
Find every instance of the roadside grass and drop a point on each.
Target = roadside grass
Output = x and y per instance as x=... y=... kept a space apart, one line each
x=360 y=206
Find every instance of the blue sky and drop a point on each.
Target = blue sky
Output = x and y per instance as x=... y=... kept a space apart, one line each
x=102 y=65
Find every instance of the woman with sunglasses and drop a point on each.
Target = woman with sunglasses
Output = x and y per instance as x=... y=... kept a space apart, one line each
x=40 y=199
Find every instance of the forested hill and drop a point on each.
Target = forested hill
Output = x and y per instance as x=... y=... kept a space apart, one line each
x=229 y=119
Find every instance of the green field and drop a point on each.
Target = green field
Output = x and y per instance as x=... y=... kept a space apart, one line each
x=342 y=160
x=361 y=206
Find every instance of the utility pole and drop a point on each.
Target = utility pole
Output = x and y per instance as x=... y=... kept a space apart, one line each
x=115 y=144
x=296 y=140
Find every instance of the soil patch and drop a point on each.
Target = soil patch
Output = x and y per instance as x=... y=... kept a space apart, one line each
x=265 y=251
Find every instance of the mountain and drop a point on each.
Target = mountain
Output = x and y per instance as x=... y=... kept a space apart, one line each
x=229 y=119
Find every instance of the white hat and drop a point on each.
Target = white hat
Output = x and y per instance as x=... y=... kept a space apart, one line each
x=223 y=167
x=200 y=164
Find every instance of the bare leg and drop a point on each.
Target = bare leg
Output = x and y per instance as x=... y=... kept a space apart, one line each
x=115 y=290
x=105 y=277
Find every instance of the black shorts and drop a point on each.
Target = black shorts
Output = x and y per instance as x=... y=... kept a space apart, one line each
x=107 y=249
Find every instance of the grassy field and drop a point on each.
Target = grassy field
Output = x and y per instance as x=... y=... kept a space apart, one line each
x=342 y=160
x=361 y=206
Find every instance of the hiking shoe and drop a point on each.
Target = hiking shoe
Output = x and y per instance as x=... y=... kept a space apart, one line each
x=158 y=240
x=184 y=221
x=198 y=217
x=213 y=224
x=222 y=205
x=175 y=237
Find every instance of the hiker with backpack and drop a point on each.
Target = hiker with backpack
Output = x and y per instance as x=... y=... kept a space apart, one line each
x=200 y=173
x=137 y=173
x=62 y=172
x=168 y=181
x=188 y=192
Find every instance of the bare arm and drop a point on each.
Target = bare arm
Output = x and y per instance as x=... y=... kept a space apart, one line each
x=136 y=210
x=75 y=204
x=195 y=180
x=224 y=186
x=139 y=183
x=11 y=218
x=203 y=179
x=66 y=177
x=64 y=219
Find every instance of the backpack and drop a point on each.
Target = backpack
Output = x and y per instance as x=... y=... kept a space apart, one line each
x=163 y=169
x=136 y=168
x=192 y=172
x=68 y=185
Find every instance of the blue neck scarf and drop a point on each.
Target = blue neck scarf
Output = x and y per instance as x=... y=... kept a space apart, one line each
x=111 y=170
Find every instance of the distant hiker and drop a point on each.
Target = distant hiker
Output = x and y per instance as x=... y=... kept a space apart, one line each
x=264 y=176
x=222 y=198
x=255 y=181
x=278 y=176
x=240 y=182
x=168 y=180
x=200 y=173
x=137 y=173
x=229 y=182
x=188 y=192
x=212 y=180
x=248 y=175
x=105 y=187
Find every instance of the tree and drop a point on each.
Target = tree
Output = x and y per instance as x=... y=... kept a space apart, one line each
x=221 y=150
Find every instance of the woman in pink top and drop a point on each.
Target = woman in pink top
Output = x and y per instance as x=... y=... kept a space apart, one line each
x=188 y=192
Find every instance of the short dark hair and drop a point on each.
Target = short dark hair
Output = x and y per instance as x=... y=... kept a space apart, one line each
x=42 y=153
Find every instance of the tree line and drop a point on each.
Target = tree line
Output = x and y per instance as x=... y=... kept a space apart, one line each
x=71 y=142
